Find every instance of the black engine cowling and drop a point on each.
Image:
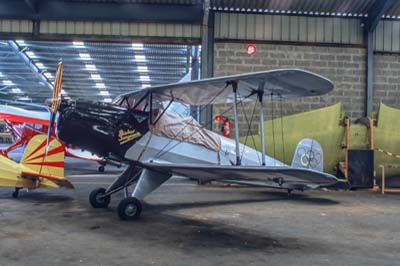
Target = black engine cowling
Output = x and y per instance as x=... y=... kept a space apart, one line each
x=101 y=128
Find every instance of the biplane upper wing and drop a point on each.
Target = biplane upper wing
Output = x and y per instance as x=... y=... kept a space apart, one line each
x=22 y=115
x=284 y=175
x=276 y=84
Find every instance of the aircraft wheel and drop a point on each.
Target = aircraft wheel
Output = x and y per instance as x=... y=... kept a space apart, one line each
x=101 y=169
x=15 y=194
x=129 y=209
x=97 y=198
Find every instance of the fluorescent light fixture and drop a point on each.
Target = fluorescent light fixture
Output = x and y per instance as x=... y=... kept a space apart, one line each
x=7 y=82
x=104 y=93
x=16 y=90
x=95 y=76
x=146 y=85
x=107 y=100
x=144 y=78
x=25 y=98
x=142 y=68
x=90 y=67
x=79 y=44
x=140 y=57
x=20 y=42
x=30 y=54
x=137 y=46
x=84 y=56
x=48 y=75
x=100 y=85
x=39 y=65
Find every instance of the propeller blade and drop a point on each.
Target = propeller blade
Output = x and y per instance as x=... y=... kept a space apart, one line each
x=55 y=104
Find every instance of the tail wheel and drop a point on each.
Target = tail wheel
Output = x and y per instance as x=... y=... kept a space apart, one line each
x=97 y=198
x=129 y=209
x=15 y=194
x=101 y=169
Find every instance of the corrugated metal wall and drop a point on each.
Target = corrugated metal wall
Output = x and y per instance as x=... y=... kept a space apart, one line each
x=15 y=26
x=102 y=28
x=236 y=26
x=120 y=29
x=387 y=36
x=231 y=26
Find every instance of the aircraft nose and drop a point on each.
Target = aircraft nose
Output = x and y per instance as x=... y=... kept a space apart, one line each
x=96 y=127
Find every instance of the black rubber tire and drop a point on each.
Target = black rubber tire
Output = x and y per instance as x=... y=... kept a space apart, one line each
x=129 y=209
x=101 y=169
x=97 y=201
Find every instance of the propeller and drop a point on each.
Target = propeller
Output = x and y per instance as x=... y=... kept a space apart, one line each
x=55 y=103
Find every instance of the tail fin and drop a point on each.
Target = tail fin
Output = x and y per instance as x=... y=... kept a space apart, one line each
x=35 y=162
x=309 y=155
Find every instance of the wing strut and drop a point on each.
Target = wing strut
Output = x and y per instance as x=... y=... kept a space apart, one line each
x=235 y=87
x=260 y=94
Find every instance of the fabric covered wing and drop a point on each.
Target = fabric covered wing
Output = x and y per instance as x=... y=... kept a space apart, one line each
x=281 y=83
x=21 y=115
x=289 y=175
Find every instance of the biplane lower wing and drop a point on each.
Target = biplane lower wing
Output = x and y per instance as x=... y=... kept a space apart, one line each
x=277 y=175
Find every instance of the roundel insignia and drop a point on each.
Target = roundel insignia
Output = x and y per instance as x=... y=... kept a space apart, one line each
x=251 y=49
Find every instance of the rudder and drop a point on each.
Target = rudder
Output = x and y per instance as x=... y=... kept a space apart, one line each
x=36 y=162
x=308 y=154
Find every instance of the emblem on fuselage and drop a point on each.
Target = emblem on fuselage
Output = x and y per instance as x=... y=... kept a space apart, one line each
x=128 y=135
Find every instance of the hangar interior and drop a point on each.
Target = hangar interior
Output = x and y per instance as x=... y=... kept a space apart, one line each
x=112 y=47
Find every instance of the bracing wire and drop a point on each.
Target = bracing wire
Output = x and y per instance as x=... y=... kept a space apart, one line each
x=161 y=152
x=282 y=134
x=159 y=155
x=249 y=129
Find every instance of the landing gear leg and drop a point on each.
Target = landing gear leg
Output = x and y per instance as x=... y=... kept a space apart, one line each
x=289 y=193
x=15 y=194
x=101 y=197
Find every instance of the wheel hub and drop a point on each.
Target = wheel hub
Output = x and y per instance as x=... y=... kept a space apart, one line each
x=130 y=209
x=100 y=198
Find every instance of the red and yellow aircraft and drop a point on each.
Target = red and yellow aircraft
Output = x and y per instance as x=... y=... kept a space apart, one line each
x=30 y=120
x=42 y=164
x=40 y=167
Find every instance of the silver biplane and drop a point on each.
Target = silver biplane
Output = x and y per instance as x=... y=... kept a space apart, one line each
x=139 y=129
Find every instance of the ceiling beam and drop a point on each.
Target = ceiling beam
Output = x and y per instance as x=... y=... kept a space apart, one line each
x=375 y=13
x=99 y=11
x=14 y=46
x=33 y=5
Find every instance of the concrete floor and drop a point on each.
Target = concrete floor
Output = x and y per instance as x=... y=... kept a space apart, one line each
x=186 y=224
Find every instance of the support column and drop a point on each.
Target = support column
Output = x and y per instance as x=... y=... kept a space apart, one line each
x=207 y=57
x=370 y=73
x=375 y=13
